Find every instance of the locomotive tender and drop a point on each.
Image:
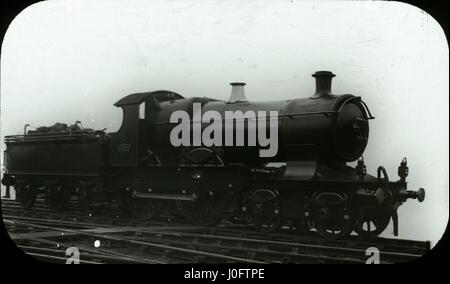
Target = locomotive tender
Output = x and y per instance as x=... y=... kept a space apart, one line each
x=305 y=184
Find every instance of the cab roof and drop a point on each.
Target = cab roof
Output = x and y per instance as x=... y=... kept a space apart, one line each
x=158 y=96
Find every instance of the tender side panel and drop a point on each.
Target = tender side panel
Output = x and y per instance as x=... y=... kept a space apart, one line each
x=55 y=157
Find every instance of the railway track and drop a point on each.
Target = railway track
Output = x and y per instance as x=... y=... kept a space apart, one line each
x=112 y=238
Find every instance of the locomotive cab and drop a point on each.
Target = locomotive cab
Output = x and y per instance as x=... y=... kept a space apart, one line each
x=128 y=143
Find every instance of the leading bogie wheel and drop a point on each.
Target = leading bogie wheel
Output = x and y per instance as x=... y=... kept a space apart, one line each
x=331 y=215
x=265 y=210
x=371 y=221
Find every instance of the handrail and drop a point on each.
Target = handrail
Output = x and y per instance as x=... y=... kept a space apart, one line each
x=53 y=133
x=64 y=135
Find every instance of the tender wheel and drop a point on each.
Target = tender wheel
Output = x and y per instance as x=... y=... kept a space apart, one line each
x=370 y=222
x=26 y=194
x=86 y=199
x=265 y=210
x=57 y=197
x=331 y=215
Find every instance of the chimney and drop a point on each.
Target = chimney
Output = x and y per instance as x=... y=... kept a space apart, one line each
x=237 y=93
x=323 y=84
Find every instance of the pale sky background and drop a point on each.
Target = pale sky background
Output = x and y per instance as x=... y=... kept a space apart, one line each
x=64 y=61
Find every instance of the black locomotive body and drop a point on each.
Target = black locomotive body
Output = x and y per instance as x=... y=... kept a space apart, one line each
x=306 y=184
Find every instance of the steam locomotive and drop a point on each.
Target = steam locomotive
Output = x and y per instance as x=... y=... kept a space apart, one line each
x=306 y=183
